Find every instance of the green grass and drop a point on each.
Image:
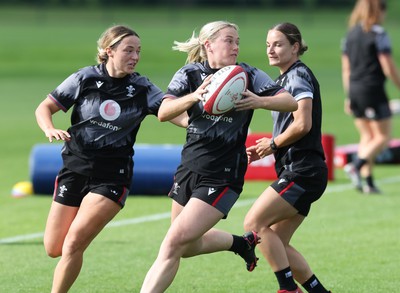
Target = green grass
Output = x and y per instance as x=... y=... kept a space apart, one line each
x=350 y=240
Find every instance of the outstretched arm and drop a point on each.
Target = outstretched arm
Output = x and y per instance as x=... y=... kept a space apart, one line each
x=282 y=102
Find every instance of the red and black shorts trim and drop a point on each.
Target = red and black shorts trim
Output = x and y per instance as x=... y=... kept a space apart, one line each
x=301 y=189
x=217 y=192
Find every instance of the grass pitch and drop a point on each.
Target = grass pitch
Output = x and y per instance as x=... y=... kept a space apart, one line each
x=350 y=240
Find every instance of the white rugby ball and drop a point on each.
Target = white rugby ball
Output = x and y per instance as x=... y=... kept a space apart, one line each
x=226 y=87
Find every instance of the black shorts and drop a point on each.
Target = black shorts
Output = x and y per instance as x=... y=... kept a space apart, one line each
x=370 y=102
x=301 y=190
x=217 y=192
x=70 y=188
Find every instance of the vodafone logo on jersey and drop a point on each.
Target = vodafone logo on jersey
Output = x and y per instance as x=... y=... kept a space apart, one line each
x=110 y=110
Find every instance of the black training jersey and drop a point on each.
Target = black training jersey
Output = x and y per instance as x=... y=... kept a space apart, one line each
x=363 y=48
x=105 y=119
x=215 y=145
x=306 y=152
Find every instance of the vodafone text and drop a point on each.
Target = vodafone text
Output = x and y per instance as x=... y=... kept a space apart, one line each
x=105 y=125
x=218 y=118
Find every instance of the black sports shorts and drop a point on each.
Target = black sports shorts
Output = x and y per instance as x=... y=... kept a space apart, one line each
x=370 y=102
x=217 y=192
x=70 y=188
x=301 y=190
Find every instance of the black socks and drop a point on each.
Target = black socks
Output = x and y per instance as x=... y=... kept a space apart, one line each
x=359 y=163
x=313 y=285
x=285 y=279
x=238 y=244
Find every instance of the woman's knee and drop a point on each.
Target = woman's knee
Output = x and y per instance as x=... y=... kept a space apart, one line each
x=69 y=246
x=381 y=142
x=251 y=223
x=385 y=140
x=52 y=249
x=248 y=223
x=174 y=248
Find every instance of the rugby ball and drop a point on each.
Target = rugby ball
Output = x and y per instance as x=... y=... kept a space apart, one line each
x=226 y=87
x=22 y=189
